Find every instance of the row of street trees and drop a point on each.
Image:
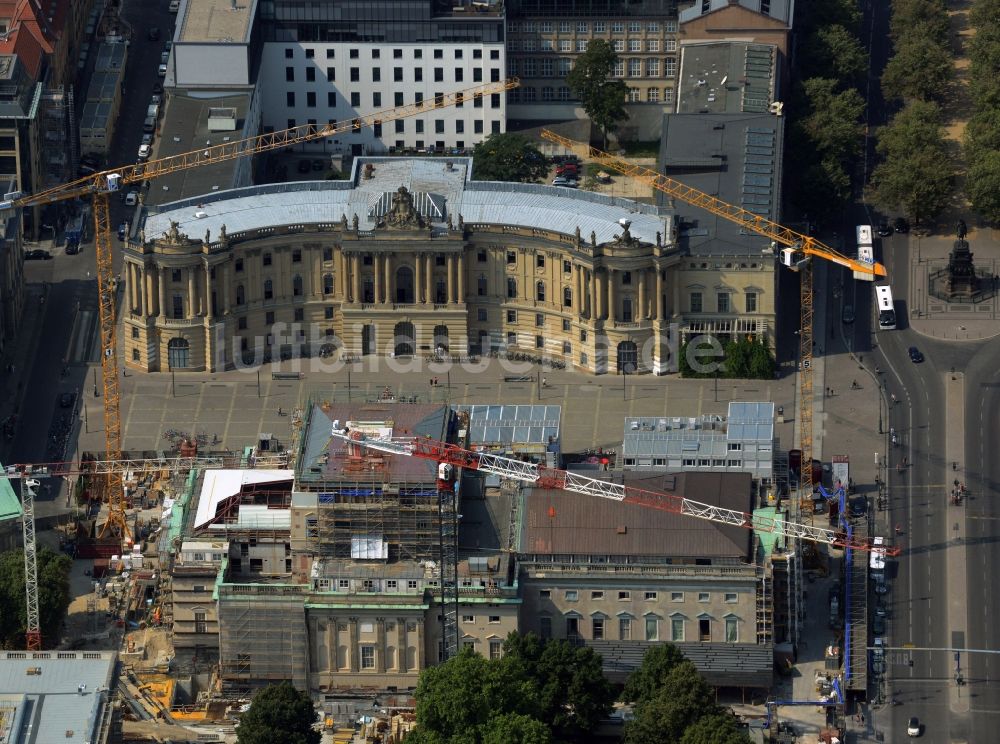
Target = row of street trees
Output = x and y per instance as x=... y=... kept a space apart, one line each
x=982 y=135
x=825 y=130
x=915 y=175
x=538 y=692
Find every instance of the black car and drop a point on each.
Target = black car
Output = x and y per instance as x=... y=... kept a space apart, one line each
x=859 y=507
x=153 y=34
x=916 y=356
x=884 y=229
x=37 y=255
x=900 y=225
x=66 y=400
x=157 y=87
x=72 y=247
x=122 y=230
x=878 y=625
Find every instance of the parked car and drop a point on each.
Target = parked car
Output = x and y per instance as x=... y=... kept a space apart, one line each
x=913 y=726
x=881 y=610
x=884 y=230
x=123 y=230
x=174 y=6
x=153 y=34
x=162 y=70
x=156 y=99
x=567 y=168
x=881 y=587
x=859 y=506
x=900 y=225
x=878 y=625
x=66 y=400
x=131 y=198
x=147 y=138
x=37 y=255
x=158 y=87
x=916 y=356
x=144 y=151
x=847 y=314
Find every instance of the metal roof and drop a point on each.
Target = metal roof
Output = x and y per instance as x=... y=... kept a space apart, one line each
x=10 y=504
x=750 y=422
x=54 y=696
x=500 y=424
x=441 y=188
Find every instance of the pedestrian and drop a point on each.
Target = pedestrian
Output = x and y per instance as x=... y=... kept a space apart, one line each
x=831 y=392
x=545 y=382
x=862 y=719
x=280 y=413
x=899 y=530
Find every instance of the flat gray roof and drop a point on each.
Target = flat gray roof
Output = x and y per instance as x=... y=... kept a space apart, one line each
x=726 y=77
x=750 y=422
x=216 y=20
x=184 y=127
x=735 y=157
x=500 y=424
x=441 y=188
x=54 y=696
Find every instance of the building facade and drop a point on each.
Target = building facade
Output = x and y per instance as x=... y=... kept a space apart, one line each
x=544 y=40
x=407 y=258
x=11 y=277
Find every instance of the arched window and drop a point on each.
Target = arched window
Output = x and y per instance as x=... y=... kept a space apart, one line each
x=511 y=287
x=241 y=295
x=327 y=284
x=567 y=297
x=297 y=286
x=540 y=291
x=481 y=286
x=268 y=289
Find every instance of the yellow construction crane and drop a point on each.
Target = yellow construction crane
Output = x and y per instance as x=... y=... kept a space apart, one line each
x=797 y=253
x=99 y=185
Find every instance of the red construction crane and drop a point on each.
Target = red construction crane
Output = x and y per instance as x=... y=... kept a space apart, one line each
x=450 y=456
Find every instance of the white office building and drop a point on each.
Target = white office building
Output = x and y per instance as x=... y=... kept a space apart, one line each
x=333 y=61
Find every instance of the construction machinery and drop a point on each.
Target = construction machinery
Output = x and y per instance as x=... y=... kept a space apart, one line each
x=451 y=459
x=99 y=185
x=797 y=254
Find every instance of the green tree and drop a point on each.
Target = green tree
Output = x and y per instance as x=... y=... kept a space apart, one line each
x=984 y=61
x=985 y=14
x=508 y=157
x=513 y=728
x=603 y=98
x=762 y=362
x=815 y=14
x=53 y=596
x=279 y=714
x=983 y=184
x=683 y=699
x=647 y=681
x=983 y=132
x=835 y=50
x=927 y=18
x=719 y=728
x=921 y=68
x=738 y=358
x=834 y=121
x=573 y=693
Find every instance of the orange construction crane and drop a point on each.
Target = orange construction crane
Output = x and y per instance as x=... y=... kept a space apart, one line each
x=99 y=185
x=797 y=254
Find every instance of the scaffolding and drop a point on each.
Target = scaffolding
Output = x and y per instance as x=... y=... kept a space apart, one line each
x=856 y=619
x=58 y=148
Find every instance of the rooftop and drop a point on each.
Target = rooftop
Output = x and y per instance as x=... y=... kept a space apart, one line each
x=223 y=490
x=561 y=523
x=324 y=459
x=57 y=696
x=501 y=426
x=184 y=128
x=734 y=77
x=441 y=188
x=780 y=10
x=216 y=21
x=735 y=157
x=10 y=504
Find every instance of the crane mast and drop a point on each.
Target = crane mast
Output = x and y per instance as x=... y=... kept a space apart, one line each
x=553 y=478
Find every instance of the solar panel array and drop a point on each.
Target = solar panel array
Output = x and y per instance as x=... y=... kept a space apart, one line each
x=750 y=422
x=499 y=424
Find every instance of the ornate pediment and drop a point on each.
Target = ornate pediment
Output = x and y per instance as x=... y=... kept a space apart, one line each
x=402 y=214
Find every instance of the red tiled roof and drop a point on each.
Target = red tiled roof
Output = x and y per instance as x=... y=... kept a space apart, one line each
x=30 y=35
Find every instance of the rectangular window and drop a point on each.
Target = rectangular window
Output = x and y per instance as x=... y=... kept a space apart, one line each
x=331 y=74
x=598 y=633
x=539 y=342
x=376 y=100
x=597 y=595
x=512 y=316
x=652 y=628
x=328 y=312
x=625 y=629
x=310 y=74
x=539 y=320
x=571 y=595
x=732 y=630
x=496 y=649
x=670 y=45
x=355 y=98
x=751 y=302
x=635 y=67
x=722 y=301
x=618 y=45
x=290 y=98
x=704 y=596
x=468 y=618
x=677 y=629
x=572 y=627
x=635 y=45
x=355 y=74
x=730 y=597
x=289 y=74
x=311 y=99
x=600 y=27
x=367 y=657
x=331 y=99
x=676 y=596
x=696 y=302
x=649 y=596
x=545 y=627
x=566 y=325
x=482 y=315
x=653 y=67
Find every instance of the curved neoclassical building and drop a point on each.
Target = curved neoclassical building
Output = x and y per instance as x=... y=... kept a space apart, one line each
x=410 y=256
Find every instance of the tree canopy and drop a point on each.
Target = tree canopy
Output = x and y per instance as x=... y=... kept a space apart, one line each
x=279 y=714
x=602 y=97
x=539 y=691
x=508 y=157
x=920 y=69
x=53 y=596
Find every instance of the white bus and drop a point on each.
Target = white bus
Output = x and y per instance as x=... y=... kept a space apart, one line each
x=886 y=308
x=866 y=253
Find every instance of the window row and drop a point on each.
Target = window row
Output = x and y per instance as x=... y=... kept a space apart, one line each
x=597 y=27
x=397 y=53
x=437 y=74
x=599 y=628
x=560 y=67
x=366 y=585
x=579 y=46
x=723 y=302
x=573 y=595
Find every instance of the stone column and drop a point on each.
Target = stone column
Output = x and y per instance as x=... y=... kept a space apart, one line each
x=612 y=296
x=355 y=279
x=429 y=278
x=353 y=649
x=418 y=276
x=658 y=310
x=208 y=292
x=227 y=290
x=581 y=300
x=461 y=278
x=591 y=293
x=377 y=270
x=598 y=296
x=642 y=295
x=380 y=646
x=389 y=294
x=163 y=292
x=450 y=267
x=147 y=291
x=129 y=286
x=192 y=292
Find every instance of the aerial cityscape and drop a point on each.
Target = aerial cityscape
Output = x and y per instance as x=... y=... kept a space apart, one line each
x=499 y=371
